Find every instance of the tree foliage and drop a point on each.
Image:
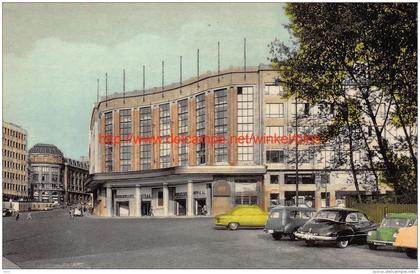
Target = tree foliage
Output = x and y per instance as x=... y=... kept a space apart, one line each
x=361 y=57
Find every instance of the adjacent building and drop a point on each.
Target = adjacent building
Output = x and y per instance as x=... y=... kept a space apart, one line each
x=54 y=178
x=15 y=170
x=137 y=178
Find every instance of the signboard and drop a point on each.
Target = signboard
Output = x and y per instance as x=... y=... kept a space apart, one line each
x=221 y=189
x=199 y=193
x=180 y=195
x=146 y=196
x=127 y=196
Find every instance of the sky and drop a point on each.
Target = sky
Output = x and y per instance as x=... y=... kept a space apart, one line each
x=53 y=54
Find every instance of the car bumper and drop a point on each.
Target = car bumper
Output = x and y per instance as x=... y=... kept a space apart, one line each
x=377 y=242
x=271 y=231
x=307 y=236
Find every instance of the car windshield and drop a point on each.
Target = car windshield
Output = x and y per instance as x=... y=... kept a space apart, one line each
x=329 y=215
x=395 y=222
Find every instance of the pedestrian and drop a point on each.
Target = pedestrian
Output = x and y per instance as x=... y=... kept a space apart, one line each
x=72 y=213
x=29 y=216
x=17 y=215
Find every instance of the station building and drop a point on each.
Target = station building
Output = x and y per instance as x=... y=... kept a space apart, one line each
x=132 y=178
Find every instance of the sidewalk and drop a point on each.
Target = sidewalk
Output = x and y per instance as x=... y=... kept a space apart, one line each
x=88 y=215
x=6 y=264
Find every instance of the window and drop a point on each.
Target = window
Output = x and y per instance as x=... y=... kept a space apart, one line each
x=274 y=131
x=108 y=147
x=201 y=128
x=274 y=200
x=303 y=179
x=302 y=109
x=274 y=110
x=160 y=198
x=275 y=156
x=183 y=131
x=145 y=131
x=221 y=124
x=351 y=218
x=125 y=146
x=165 y=128
x=274 y=179
x=273 y=89
x=245 y=122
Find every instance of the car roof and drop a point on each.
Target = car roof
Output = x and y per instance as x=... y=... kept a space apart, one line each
x=405 y=215
x=340 y=209
x=290 y=208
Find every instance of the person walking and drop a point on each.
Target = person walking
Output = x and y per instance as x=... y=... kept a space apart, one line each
x=17 y=215
x=29 y=216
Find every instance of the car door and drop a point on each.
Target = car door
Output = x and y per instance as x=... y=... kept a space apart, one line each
x=364 y=225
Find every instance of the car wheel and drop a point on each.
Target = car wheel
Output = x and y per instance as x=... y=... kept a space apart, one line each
x=309 y=243
x=276 y=236
x=292 y=237
x=372 y=246
x=412 y=253
x=233 y=226
x=343 y=244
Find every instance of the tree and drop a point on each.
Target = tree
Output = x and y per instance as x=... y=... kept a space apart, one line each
x=360 y=56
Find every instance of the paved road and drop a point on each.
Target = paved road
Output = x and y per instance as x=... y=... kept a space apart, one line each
x=52 y=240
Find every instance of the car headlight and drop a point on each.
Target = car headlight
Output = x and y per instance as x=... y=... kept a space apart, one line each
x=394 y=236
x=370 y=233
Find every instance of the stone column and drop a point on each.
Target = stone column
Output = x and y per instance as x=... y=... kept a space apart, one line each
x=165 y=200
x=138 y=201
x=190 y=199
x=318 y=200
x=109 y=201
x=332 y=198
x=208 y=199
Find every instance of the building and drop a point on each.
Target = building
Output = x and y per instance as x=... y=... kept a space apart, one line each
x=54 y=178
x=15 y=171
x=132 y=178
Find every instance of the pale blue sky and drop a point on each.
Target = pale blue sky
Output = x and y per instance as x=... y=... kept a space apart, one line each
x=53 y=53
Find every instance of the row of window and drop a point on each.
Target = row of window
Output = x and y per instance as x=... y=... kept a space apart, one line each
x=13 y=144
x=14 y=187
x=309 y=156
x=245 y=122
x=13 y=154
x=13 y=165
x=13 y=176
x=13 y=133
x=48 y=186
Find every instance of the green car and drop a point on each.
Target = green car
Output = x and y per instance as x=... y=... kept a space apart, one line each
x=385 y=234
x=242 y=215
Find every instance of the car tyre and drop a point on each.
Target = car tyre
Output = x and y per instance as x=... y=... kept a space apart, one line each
x=373 y=246
x=292 y=237
x=343 y=244
x=276 y=236
x=233 y=226
x=412 y=253
x=309 y=243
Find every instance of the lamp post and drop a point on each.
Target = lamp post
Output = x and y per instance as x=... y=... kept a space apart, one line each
x=296 y=153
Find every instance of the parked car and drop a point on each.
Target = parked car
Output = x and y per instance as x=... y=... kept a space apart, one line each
x=242 y=215
x=7 y=212
x=407 y=238
x=339 y=225
x=383 y=235
x=285 y=220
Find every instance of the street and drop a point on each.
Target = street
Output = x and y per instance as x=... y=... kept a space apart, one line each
x=53 y=240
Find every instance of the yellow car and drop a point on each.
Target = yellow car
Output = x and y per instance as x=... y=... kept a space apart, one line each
x=242 y=215
x=407 y=239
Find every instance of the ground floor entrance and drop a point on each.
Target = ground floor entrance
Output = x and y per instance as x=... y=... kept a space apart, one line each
x=180 y=207
x=123 y=209
x=146 y=208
